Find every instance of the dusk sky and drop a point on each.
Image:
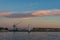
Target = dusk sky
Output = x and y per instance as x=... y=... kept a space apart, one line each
x=37 y=13
x=28 y=5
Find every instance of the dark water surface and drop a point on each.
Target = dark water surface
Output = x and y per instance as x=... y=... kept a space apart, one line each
x=30 y=36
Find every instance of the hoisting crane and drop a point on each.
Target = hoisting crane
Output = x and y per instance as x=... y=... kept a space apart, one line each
x=15 y=27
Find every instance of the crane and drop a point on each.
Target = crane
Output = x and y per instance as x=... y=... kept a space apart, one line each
x=14 y=26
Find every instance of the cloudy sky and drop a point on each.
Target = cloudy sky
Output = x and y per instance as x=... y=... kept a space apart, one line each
x=37 y=13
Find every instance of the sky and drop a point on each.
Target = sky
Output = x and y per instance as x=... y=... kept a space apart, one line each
x=37 y=13
x=28 y=5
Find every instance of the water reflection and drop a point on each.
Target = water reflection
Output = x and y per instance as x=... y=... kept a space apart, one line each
x=30 y=36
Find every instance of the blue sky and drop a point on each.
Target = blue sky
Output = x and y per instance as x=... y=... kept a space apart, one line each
x=28 y=5
x=43 y=15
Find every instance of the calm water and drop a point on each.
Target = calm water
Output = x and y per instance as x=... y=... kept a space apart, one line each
x=30 y=36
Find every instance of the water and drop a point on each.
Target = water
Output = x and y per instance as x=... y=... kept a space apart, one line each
x=30 y=36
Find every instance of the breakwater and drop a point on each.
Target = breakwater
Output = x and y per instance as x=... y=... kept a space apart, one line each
x=32 y=30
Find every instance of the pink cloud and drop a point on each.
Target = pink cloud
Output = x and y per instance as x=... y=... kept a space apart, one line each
x=46 y=13
x=5 y=13
x=41 y=13
x=31 y=14
x=19 y=15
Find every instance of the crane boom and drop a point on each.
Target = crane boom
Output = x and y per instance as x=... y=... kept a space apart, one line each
x=18 y=23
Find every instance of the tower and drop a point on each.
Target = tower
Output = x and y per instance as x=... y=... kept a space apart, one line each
x=14 y=28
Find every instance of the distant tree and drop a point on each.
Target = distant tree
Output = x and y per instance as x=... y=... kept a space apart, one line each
x=6 y=28
x=1 y=28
